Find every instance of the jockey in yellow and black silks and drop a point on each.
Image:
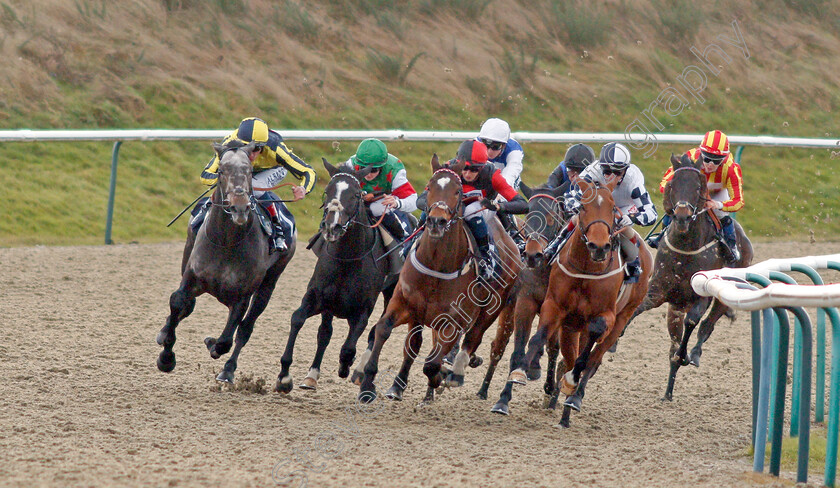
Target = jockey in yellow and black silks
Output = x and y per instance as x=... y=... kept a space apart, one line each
x=272 y=161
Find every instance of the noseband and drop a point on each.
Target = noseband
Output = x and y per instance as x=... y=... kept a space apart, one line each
x=695 y=212
x=335 y=205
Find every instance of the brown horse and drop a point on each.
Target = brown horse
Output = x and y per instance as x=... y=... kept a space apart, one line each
x=543 y=222
x=438 y=288
x=689 y=245
x=586 y=300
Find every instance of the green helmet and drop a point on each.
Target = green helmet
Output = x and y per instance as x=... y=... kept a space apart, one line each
x=371 y=152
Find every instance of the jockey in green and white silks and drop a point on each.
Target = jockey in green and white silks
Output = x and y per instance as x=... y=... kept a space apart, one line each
x=388 y=179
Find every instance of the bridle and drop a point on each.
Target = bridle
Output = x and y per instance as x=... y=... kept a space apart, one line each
x=695 y=212
x=225 y=204
x=455 y=214
x=535 y=235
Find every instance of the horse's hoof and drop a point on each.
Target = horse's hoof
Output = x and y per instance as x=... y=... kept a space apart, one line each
x=166 y=361
x=308 y=384
x=356 y=378
x=550 y=402
x=667 y=398
x=614 y=347
x=210 y=342
x=343 y=370
x=534 y=374
x=394 y=394
x=284 y=385
x=501 y=408
x=160 y=338
x=454 y=380
x=573 y=402
x=518 y=377
x=694 y=360
x=565 y=423
x=482 y=394
x=476 y=361
x=367 y=397
x=225 y=377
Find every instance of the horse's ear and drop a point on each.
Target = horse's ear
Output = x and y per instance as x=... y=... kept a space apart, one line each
x=527 y=191
x=457 y=166
x=249 y=148
x=363 y=172
x=435 y=163
x=686 y=161
x=332 y=170
x=219 y=148
x=675 y=162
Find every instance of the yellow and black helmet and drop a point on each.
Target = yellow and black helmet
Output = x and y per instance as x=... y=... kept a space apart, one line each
x=253 y=129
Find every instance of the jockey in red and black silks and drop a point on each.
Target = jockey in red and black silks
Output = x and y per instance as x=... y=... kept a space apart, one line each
x=485 y=181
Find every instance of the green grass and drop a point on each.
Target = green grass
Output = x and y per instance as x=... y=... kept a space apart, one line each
x=57 y=193
x=790 y=451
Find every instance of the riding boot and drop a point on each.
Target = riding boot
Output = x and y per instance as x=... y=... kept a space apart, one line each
x=630 y=248
x=277 y=242
x=653 y=241
x=488 y=261
x=394 y=226
x=731 y=253
x=558 y=242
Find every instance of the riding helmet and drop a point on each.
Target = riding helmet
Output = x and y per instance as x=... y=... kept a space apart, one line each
x=615 y=155
x=371 y=152
x=715 y=143
x=472 y=152
x=494 y=130
x=253 y=129
x=578 y=157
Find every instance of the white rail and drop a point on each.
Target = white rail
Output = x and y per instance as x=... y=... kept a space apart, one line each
x=713 y=283
x=23 y=135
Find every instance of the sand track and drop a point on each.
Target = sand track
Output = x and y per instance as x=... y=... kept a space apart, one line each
x=82 y=402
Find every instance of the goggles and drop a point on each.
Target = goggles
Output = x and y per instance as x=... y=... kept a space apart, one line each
x=492 y=145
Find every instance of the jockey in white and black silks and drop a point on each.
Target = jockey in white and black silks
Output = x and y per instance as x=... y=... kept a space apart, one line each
x=630 y=196
x=272 y=161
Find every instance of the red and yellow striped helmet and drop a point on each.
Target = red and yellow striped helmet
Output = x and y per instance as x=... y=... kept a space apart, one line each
x=715 y=142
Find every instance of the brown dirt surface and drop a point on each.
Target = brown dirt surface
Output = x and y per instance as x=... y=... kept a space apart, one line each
x=82 y=402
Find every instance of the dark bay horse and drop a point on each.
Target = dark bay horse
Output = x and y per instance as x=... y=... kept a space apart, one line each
x=689 y=245
x=228 y=257
x=543 y=222
x=347 y=279
x=438 y=287
x=587 y=302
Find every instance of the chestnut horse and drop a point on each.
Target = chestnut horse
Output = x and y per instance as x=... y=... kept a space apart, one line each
x=542 y=224
x=586 y=300
x=689 y=245
x=438 y=288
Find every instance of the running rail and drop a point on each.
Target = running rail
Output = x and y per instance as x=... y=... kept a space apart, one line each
x=727 y=285
x=118 y=136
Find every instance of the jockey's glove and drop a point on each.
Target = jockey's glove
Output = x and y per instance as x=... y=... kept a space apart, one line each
x=490 y=204
x=625 y=221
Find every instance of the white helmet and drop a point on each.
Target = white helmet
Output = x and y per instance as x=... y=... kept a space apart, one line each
x=495 y=130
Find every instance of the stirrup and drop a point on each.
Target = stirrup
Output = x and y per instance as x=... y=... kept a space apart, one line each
x=278 y=243
x=653 y=241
